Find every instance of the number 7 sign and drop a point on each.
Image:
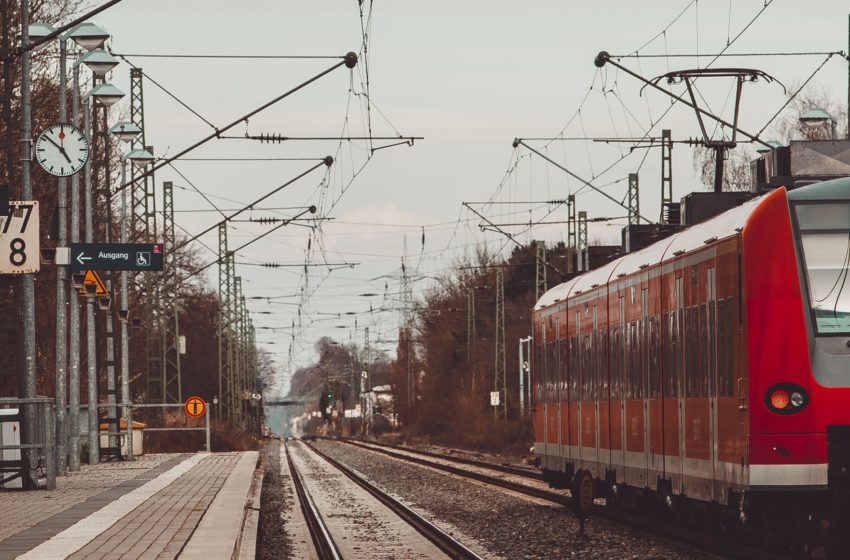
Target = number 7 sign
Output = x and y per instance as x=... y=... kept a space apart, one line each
x=20 y=238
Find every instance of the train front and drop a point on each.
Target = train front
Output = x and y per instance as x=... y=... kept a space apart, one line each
x=798 y=323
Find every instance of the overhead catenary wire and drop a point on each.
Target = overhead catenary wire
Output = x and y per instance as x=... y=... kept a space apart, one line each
x=350 y=61
x=233 y=56
x=244 y=245
x=327 y=162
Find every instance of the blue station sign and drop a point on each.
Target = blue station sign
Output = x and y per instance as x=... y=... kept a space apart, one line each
x=116 y=256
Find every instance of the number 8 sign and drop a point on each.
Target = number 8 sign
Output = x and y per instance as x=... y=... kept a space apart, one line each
x=20 y=238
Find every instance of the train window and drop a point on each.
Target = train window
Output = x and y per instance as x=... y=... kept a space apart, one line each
x=575 y=374
x=691 y=354
x=586 y=374
x=635 y=373
x=540 y=370
x=740 y=290
x=712 y=345
x=704 y=341
x=627 y=360
x=726 y=340
x=563 y=355
x=654 y=370
x=592 y=363
x=823 y=233
x=552 y=367
x=604 y=371
x=667 y=352
x=722 y=350
x=614 y=362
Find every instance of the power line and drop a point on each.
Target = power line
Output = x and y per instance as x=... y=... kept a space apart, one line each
x=234 y=56
x=350 y=60
x=717 y=55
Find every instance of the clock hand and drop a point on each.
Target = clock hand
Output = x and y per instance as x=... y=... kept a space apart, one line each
x=64 y=153
x=52 y=141
x=61 y=149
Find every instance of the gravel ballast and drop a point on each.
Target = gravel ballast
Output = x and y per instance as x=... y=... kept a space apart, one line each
x=505 y=524
x=273 y=542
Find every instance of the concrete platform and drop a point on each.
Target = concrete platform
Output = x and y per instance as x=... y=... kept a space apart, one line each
x=161 y=506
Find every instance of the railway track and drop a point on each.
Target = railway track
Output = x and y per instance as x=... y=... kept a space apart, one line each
x=533 y=488
x=322 y=534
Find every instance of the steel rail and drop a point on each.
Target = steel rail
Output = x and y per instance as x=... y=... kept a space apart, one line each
x=326 y=548
x=658 y=528
x=519 y=471
x=437 y=536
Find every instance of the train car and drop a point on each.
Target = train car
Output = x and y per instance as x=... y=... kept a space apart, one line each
x=710 y=372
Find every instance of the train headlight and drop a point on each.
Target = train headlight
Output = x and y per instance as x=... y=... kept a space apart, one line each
x=786 y=398
x=779 y=399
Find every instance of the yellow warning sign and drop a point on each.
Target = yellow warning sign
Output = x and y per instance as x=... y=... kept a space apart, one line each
x=92 y=279
x=195 y=407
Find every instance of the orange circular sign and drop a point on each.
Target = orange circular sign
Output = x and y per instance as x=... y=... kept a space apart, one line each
x=195 y=407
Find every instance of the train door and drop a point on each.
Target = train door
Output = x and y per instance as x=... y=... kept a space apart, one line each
x=579 y=379
x=563 y=361
x=698 y=428
x=679 y=324
x=711 y=363
x=644 y=379
x=543 y=385
x=556 y=372
x=600 y=398
x=623 y=375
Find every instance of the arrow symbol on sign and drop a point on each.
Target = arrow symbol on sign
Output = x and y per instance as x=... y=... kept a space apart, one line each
x=81 y=257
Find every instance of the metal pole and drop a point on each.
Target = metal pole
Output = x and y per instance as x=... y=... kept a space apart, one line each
x=91 y=350
x=521 y=381
x=207 y=420
x=61 y=281
x=50 y=445
x=125 y=340
x=74 y=312
x=27 y=281
x=128 y=407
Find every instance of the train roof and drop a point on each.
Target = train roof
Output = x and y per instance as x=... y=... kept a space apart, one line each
x=723 y=225
x=827 y=190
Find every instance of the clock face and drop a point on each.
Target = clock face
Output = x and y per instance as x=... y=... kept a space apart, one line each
x=62 y=149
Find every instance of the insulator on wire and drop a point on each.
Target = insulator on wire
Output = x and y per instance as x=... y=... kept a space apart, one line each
x=271 y=138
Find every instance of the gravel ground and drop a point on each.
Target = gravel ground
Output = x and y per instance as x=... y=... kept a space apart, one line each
x=273 y=543
x=506 y=525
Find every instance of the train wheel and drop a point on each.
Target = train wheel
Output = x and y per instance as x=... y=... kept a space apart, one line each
x=582 y=492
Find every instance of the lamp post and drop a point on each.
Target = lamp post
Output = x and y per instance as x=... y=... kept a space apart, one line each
x=105 y=96
x=126 y=132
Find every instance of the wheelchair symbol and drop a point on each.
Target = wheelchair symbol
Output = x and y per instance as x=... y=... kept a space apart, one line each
x=143 y=259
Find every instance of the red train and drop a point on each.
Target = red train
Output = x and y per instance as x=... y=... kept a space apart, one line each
x=710 y=372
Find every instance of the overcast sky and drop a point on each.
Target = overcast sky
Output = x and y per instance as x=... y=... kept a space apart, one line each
x=468 y=76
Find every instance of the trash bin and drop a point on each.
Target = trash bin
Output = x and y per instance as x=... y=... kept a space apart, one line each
x=138 y=427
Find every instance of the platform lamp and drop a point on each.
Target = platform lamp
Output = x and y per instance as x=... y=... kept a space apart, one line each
x=126 y=132
x=820 y=122
x=91 y=37
x=38 y=31
x=88 y=36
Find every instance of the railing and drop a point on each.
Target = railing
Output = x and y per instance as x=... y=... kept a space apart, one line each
x=128 y=433
x=41 y=452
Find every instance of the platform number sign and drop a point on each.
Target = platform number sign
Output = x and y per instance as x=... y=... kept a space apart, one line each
x=195 y=407
x=20 y=238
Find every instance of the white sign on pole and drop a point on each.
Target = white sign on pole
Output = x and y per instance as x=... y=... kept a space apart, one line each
x=20 y=238
x=494 y=398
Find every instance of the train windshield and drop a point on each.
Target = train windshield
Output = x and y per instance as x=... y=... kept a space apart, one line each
x=825 y=240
